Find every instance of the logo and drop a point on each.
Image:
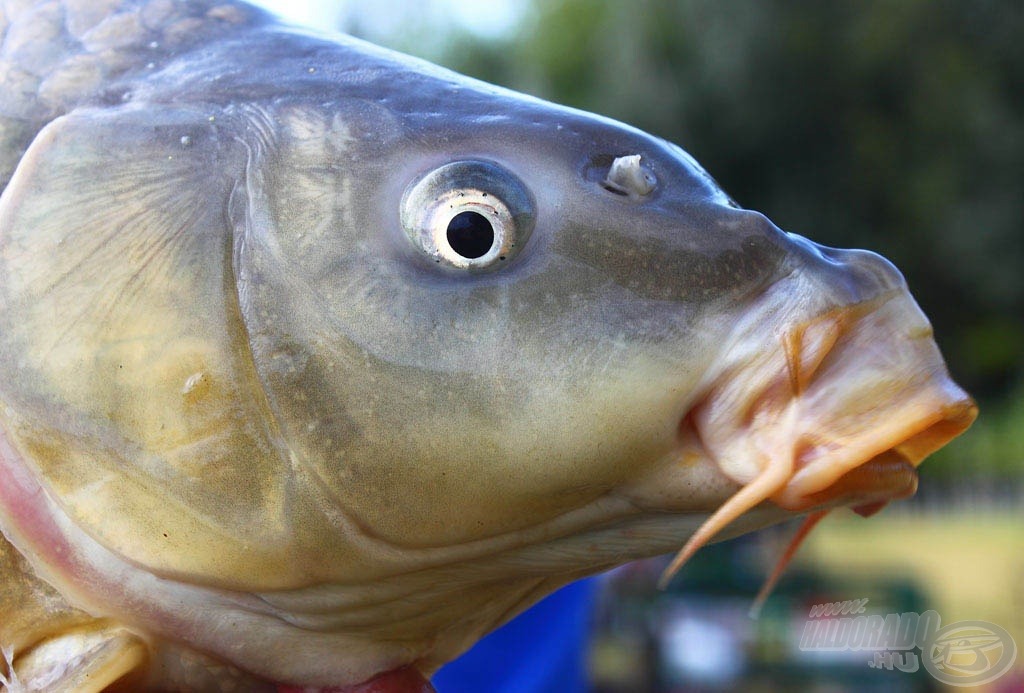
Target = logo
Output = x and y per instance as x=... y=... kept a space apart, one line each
x=969 y=653
x=965 y=653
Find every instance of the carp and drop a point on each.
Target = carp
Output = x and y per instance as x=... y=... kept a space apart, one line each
x=318 y=362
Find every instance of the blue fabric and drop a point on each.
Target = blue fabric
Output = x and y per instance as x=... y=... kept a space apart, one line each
x=543 y=650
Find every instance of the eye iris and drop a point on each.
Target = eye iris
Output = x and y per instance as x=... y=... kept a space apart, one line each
x=470 y=234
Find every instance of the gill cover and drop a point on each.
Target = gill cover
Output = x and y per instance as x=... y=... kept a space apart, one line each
x=124 y=367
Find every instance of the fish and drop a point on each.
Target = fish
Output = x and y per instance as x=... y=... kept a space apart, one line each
x=318 y=362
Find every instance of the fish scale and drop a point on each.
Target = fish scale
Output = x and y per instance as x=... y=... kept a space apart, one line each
x=57 y=55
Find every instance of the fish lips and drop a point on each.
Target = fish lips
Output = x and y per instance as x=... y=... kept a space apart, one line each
x=842 y=408
x=899 y=407
x=840 y=412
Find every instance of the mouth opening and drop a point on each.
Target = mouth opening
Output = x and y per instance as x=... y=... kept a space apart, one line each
x=868 y=487
x=841 y=415
x=867 y=480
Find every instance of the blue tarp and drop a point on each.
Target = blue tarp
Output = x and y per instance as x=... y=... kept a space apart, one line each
x=543 y=650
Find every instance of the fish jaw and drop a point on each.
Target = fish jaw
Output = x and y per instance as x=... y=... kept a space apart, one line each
x=827 y=402
x=918 y=411
x=841 y=406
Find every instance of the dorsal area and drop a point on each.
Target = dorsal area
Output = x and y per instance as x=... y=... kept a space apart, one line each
x=60 y=54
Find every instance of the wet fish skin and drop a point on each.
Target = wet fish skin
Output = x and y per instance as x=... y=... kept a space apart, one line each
x=271 y=425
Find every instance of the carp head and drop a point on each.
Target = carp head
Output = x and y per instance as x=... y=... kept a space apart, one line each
x=323 y=362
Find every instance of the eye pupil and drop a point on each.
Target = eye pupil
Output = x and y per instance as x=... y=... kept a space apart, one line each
x=470 y=234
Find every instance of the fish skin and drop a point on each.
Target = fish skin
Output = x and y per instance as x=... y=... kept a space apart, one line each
x=269 y=424
x=55 y=56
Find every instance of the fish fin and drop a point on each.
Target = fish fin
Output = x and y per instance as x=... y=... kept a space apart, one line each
x=87 y=659
x=32 y=610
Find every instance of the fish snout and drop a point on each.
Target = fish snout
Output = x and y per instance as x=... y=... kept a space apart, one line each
x=836 y=276
x=830 y=393
x=842 y=408
x=874 y=398
x=848 y=276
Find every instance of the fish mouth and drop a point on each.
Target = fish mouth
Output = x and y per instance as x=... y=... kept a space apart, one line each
x=891 y=475
x=876 y=400
x=870 y=486
x=835 y=410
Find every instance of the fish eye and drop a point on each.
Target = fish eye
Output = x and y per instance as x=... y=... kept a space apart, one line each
x=468 y=214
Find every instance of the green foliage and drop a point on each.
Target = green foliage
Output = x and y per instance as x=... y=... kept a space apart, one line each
x=894 y=125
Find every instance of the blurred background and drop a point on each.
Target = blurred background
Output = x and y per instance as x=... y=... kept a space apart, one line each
x=893 y=125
